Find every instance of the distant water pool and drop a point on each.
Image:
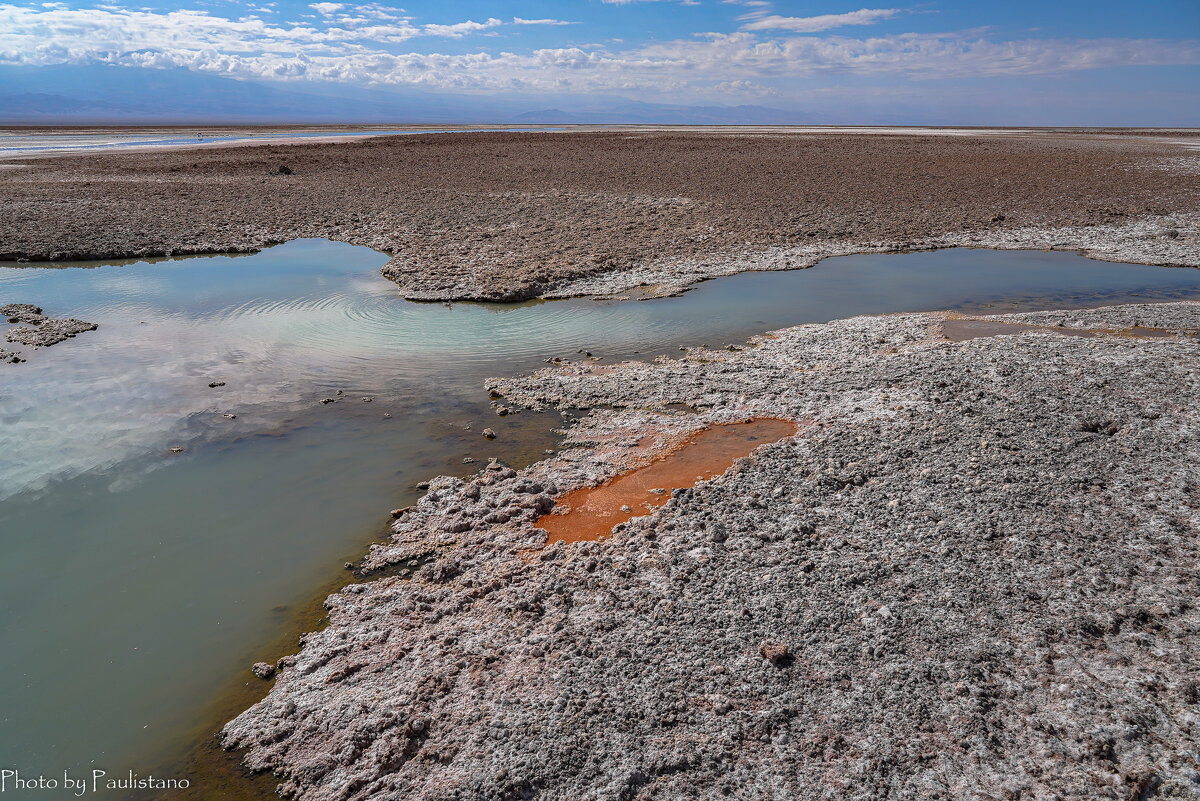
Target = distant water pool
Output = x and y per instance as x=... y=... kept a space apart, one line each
x=17 y=144
x=135 y=583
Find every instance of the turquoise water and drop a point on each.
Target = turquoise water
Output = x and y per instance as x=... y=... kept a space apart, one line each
x=135 y=583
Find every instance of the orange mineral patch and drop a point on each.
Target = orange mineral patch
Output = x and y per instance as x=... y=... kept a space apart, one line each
x=958 y=330
x=591 y=513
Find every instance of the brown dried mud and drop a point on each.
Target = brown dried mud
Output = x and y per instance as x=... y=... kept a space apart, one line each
x=507 y=216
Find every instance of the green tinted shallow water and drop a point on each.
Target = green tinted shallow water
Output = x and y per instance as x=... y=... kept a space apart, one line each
x=134 y=584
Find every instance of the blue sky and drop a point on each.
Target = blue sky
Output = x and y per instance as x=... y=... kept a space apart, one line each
x=953 y=59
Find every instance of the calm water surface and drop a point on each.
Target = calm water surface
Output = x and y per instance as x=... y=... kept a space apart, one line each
x=20 y=143
x=136 y=583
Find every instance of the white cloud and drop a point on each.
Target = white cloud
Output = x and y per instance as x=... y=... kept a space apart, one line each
x=362 y=44
x=520 y=21
x=823 y=22
x=460 y=29
x=629 y=2
x=327 y=9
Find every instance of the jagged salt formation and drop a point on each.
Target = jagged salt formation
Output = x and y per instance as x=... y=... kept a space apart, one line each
x=971 y=574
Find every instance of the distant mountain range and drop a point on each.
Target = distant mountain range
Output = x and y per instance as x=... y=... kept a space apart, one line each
x=632 y=112
x=125 y=95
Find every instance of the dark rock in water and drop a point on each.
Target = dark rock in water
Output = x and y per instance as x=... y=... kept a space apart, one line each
x=325 y=401
x=215 y=384
x=489 y=433
x=264 y=670
x=22 y=313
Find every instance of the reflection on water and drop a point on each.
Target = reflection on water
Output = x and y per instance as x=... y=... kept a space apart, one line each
x=135 y=583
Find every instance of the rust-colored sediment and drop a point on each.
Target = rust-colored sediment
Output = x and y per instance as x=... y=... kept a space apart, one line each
x=961 y=330
x=593 y=511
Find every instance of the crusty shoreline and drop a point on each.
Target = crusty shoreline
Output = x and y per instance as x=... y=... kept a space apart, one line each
x=511 y=216
x=973 y=571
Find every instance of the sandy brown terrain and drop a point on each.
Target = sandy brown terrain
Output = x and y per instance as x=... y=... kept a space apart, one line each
x=514 y=215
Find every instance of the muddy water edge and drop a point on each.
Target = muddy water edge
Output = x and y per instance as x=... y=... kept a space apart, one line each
x=216 y=774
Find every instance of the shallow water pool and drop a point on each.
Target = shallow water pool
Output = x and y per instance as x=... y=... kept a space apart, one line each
x=135 y=582
x=17 y=144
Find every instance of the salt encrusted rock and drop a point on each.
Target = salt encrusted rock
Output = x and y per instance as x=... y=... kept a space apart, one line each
x=43 y=332
x=49 y=332
x=264 y=670
x=976 y=592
